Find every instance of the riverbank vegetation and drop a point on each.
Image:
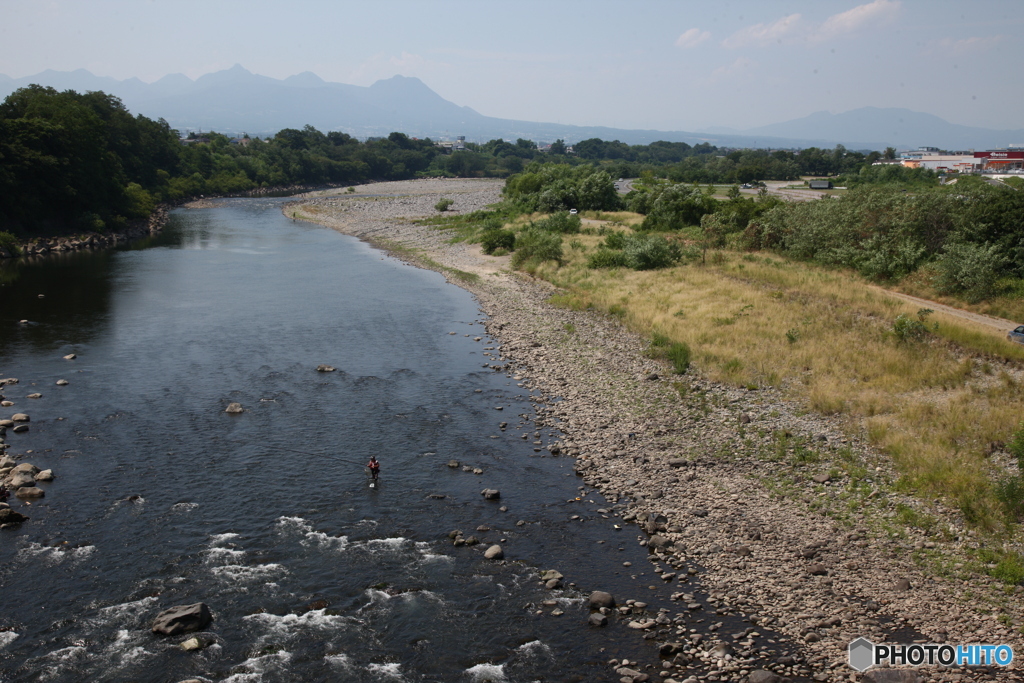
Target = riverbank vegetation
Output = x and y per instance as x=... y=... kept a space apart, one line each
x=767 y=293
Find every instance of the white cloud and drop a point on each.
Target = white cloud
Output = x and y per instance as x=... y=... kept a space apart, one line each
x=738 y=67
x=855 y=19
x=692 y=38
x=949 y=46
x=762 y=35
x=792 y=29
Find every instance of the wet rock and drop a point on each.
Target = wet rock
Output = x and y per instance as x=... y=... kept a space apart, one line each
x=234 y=409
x=30 y=492
x=9 y=516
x=193 y=644
x=552 y=584
x=598 y=619
x=34 y=396
x=495 y=552
x=62 y=383
x=550 y=574
x=599 y=599
x=324 y=368
x=70 y=356
x=658 y=541
x=6 y=423
x=491 y=494
x=454 y=464
x=182 y=619
x=21 y=417
x=25 y=467
x=20 y=429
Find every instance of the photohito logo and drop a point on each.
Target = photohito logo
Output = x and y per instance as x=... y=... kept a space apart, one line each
x=863 y=654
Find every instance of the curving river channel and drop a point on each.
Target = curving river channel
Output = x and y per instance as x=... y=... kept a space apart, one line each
x=161 y=498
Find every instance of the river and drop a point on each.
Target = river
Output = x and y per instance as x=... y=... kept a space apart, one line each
x=161 y=498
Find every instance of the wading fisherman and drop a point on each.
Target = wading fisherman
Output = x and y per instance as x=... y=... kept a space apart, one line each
x=374 y=466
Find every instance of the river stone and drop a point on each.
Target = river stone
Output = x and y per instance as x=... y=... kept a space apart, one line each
x=26 y=467
x=491 y=494
x=454 y=464
x=45 y=475
x=62 y=383
x=9 y=516
x=70 y=356
x=30 y=492
x=234 y=408
x=495 y=552
x=182 y=619
x=34 y=396
x=762 y=676
x=6 y=404
x=600 y=599
x=324 y=368
x=21 y=479
x=598 y=619
x=20 y=429
x=658 y=541
x=6 y=423
x=21 y=417
x=817 y=570
x=549 y=574
x=903 y=585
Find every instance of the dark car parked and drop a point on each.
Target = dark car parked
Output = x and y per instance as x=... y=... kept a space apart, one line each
x=1016 y=335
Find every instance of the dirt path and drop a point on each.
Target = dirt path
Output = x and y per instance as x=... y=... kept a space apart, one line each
x=991 y=321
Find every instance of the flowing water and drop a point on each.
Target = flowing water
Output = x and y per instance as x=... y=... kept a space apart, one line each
x=162 y=498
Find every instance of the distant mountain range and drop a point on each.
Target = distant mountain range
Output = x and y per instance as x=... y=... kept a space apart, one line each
x=236 y=100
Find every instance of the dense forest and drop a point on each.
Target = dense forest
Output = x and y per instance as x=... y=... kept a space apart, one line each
x=76 y=162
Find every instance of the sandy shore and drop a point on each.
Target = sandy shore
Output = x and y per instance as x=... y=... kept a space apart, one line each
x=688 y=460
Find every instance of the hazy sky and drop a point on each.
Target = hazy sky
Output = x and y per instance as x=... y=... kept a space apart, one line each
x=668 y=65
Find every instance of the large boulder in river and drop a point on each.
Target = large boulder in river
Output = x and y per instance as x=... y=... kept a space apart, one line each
x=491 y=494
x=30 y=492
x=20 y=480
x=21 y=417
x=182 y=619
x=26 y=467
x=495 y=552
x=45 y=475
x=599 y=599
x=234 y=409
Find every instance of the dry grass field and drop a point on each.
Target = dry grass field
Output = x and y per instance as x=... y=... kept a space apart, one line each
x=934 y=402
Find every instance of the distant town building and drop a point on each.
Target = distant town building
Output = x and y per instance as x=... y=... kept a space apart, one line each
x=820 y=184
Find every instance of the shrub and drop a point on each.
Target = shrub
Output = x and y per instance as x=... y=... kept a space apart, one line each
x=537 y=246
x=1010 y=492
x=606 y=258
x=9 y=243
x=562 y=222
x=443 y=204
x=969 y=269
x=615 y=240
x=905 y=329
x=649 y=252
x=1016 y=447
x=493 y=240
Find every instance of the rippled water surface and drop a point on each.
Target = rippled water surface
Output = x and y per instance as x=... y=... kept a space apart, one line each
x=162 y=498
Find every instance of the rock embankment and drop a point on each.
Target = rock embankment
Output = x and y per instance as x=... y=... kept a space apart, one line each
x=40 y=246
x=742 y=490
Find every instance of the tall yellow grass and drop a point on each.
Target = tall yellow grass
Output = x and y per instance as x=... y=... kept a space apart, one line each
x=825 y=338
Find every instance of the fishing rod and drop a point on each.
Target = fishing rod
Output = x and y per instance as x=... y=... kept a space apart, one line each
x=321 y=455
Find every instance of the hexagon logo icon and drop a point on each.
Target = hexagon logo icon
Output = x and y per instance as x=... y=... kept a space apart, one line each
x=861 y=654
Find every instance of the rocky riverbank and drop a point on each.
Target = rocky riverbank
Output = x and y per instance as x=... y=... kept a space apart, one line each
x=40 y=246
x=786 y=518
